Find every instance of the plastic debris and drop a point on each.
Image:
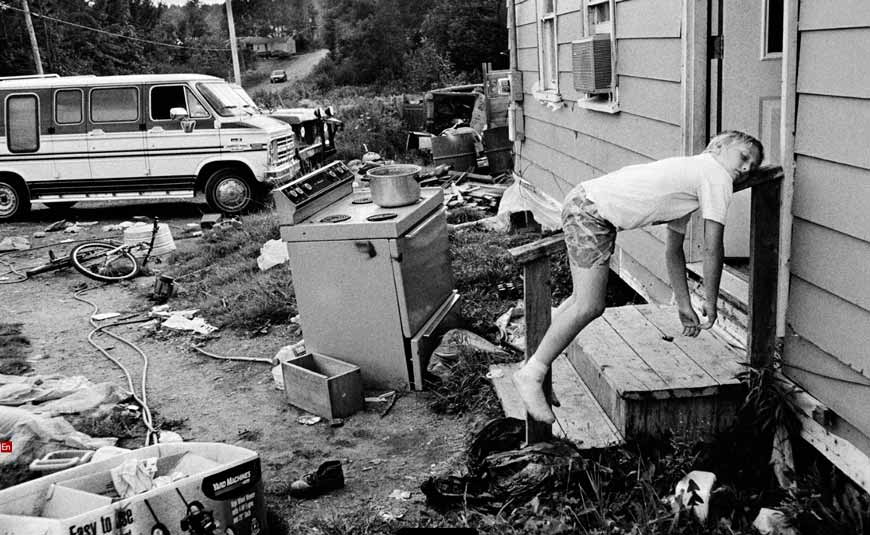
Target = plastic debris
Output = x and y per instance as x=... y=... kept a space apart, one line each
x=523 y=196
x=134 y=476
x=272 y=253
x=181 y=323
x=693 y=491
x=495 y=374
x=56 y=226
x=105 y=316
x=308 y=419
x=14 y=243
x=399 y=494
x=72 y=229
x=169 y=436
x=772 y=522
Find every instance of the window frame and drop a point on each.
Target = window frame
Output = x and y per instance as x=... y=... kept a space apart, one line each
x=765 y=53
x=602 y=102
x=81 y=105
x=108 y=88
x=549 y=89
x=38 y=123
x=188 y=94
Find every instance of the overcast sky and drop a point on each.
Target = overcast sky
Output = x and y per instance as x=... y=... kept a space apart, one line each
x=182 y=2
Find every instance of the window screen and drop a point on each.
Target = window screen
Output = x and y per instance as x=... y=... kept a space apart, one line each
x=22 y=123
x=118 y=104
x=68 y=106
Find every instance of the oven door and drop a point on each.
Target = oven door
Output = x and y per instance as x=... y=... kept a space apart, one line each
x=421 y=265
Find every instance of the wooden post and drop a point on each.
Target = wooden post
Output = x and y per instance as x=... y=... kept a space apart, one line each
x=34 y=45
x=233 y=46
x=537 y=299
x=763 y=264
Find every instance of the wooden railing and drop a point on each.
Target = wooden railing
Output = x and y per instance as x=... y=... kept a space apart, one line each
x=766 y=184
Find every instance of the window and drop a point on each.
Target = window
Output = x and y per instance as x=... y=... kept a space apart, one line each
x=771 y=42
x=548 y=47
x=599 y=30
x=22 y=123
x=115 y=105
x=195 y=107
x=164 y=98
x=68 y=106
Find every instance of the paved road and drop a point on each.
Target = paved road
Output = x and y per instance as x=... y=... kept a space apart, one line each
x=297 y=67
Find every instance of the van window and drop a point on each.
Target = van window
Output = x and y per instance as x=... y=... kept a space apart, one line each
x=222 y=98
x=118 y=104
x=22 y=123
x=166 y=97
x=68 y=106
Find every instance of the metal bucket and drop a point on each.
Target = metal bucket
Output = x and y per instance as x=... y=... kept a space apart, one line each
x=141 y=232
x=456 y=150
x=394 y=185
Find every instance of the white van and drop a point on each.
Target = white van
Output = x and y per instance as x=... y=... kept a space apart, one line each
x=95 y=138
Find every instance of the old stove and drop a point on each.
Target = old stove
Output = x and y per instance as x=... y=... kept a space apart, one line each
x=373 y=285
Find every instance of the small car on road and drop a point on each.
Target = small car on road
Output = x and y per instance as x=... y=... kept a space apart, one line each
x=277 y=76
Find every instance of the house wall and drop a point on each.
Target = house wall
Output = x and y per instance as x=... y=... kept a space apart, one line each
x=570 y=144
x=828 y=316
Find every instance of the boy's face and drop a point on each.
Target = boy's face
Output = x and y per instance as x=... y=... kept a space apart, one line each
x=738 y=158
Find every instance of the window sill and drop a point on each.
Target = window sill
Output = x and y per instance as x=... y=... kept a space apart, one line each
x=595 y=104
x=549 y=95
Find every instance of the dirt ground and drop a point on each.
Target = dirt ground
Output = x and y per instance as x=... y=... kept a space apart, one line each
x=221 y=401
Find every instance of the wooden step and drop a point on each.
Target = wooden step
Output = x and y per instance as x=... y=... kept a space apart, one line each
x=579 y=417
x=649 y=378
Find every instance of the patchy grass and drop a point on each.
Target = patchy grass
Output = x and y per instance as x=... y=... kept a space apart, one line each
x=467 y=390
x=14 y=347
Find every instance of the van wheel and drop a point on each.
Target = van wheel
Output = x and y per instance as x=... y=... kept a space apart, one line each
x=230 y=191
x=14 y=200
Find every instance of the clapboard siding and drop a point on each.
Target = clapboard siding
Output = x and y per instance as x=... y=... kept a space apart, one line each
x=596 y=153
x=545 y=180
x=653 y=99
x=653 y=139
x=829 y=259
x=833 y=128
x=527 y=58
x=569 y=169
x=646 y=249
x=649 y=58
x=527 y=36
x=844 y=190
x=648 y=18
x=526 y=12
x=834 y=325
x=834 y=62
x=848 y=400
x=827 y=14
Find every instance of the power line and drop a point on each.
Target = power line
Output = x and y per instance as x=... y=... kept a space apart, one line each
x=38 y=15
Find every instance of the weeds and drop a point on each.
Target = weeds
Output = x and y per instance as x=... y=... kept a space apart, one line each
x=13 y=348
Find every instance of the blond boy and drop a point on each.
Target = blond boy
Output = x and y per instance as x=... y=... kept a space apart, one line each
x=665 y=191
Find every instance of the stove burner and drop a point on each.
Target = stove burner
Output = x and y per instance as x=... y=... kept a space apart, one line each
x=362 y=200
x=383 y=216
x=335 y=218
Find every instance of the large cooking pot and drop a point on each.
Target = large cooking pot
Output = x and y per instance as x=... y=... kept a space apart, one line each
x=394 y=185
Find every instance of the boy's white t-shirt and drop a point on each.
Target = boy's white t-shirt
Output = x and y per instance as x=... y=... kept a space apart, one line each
x=664 y=191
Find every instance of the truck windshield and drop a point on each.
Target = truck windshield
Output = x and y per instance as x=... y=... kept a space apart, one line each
x=224 y=99
x=249 y=105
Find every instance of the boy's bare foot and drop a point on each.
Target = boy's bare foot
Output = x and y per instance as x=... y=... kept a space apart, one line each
x=529 y=380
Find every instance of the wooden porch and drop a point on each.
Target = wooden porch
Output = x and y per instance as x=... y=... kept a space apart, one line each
x=632 y=372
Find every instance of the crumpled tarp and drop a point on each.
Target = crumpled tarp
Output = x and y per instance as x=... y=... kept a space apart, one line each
x=34 y=435
x=499 y=469
x=53 y=395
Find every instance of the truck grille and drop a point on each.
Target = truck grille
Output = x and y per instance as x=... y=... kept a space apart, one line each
x=286 y=150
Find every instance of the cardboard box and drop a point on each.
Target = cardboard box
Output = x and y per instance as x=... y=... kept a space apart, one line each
x=222 y=494
x=323 y=385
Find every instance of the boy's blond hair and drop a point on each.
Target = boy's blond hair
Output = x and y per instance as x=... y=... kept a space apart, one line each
x=723 y=139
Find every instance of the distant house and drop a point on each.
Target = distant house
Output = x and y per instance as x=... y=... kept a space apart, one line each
x=600 y=84
x=270 y=46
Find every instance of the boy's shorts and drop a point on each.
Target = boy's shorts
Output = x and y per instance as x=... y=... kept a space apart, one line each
x=590 y=238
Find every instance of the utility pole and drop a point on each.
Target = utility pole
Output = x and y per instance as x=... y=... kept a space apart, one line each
x=233 y=48
x=33 y=44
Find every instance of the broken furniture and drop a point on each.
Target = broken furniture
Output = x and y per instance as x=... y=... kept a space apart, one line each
x=373 y=285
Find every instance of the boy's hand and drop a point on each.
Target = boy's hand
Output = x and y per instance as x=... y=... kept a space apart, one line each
x=691 y=324
x=710 y=314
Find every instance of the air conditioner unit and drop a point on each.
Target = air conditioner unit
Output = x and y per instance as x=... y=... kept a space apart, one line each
x=591 y=63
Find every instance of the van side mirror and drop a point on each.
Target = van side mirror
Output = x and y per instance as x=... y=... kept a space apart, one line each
x=177 y=114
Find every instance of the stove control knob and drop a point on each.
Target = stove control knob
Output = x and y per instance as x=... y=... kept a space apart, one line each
x=291 y=192
x=308 y=186
x=299 y=191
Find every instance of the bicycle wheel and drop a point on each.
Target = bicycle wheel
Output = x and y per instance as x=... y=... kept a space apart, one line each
x=104 y=262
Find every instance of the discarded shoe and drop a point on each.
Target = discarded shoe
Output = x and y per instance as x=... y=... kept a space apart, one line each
x=328 y=476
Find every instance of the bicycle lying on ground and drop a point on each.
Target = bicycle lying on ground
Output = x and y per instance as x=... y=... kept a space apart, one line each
x=109 y=262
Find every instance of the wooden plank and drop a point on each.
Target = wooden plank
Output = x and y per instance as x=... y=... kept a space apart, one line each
x=648 y=18
x=537 y=300
x=835 y=325
x=821 y=14
x=654 y=99
x=649 y=58
x=507 y=393
x=822 y=119
x=833 y=195
x=711 y=354
x=543 y=247
x=839 y=55
x=828 y=259
x=682 y=376
x=763 y=272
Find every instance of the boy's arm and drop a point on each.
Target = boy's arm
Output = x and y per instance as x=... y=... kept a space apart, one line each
x=714 y=253
x=676 y=263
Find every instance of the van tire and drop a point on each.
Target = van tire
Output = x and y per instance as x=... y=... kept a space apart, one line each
x=14 y=199
x=231 y=191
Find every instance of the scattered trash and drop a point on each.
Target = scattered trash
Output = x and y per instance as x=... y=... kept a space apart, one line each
x=308 y=419
x=179 y=322
x=667 y=338
x=60 y=460
x=169 y=436
x=523 y=196
x=446 y=355
x=14 y=243
x=393 y=514
x=693 y=492
x=39 y=234
x=495 y=374
x=272 y=253
x=56 y=226
x=328 y=477
x=105 y=316
x=164 y=288
x=120 y=226
x=86 y=223
x=134 y=476
x=399 y=494
x=209 y=221
x=278 y=376
x=772 y=522
x=72 y=229
x=512 y=328
x=35 y=435
x=107 y=452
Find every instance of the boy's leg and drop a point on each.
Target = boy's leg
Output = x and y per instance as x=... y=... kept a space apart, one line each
x=585 y=304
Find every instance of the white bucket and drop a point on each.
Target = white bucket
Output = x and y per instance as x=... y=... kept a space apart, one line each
x=141 y=232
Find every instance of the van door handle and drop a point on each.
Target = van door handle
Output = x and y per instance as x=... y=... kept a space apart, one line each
x=156 y=130
x=96 y=132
